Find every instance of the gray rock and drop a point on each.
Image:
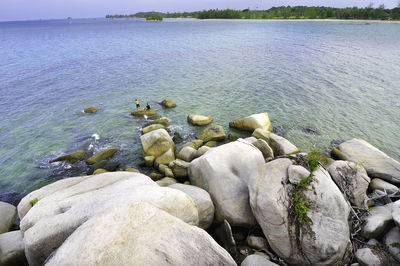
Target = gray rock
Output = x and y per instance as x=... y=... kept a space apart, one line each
x=296 y=173
x=168 y=172
x=378 y=221
x=179 y=168
x=392 y=242
x=257 y=260
x=201 y=151
x=202 y=200
x=57 y=215
x=186 y=153
x=257 y=242
x=372 y=257
x=223 y=172
x=8 y=213
x=253 y=122
x=12 y=249
x=199 y=120
x=382 y=185
x=352 y=179
x=215 y=133
x=396 y=212
x=265 y=149
x=279 y=145
x=376 y=162
x=166 y=181
x=323 y=242
x=224 y=233
x=139 y=234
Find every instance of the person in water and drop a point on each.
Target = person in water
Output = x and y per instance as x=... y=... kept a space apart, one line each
x=148 y=106
x=137 y=104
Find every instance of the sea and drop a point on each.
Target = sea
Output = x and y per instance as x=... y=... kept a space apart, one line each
x=321 y=82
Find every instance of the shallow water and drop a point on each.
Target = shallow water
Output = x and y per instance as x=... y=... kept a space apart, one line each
x=340 y=78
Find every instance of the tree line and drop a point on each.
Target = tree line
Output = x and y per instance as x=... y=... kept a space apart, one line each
x=282 y=12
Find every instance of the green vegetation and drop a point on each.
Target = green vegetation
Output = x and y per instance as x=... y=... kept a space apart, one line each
x=301 y=209
x=282 y=12
x=395 y=245
x=33 y=202
x=154 y=17
x=312 y=160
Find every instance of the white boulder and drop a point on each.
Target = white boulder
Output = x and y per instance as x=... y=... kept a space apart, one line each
x=8 y=213
x=279 y=145
x=253 y=122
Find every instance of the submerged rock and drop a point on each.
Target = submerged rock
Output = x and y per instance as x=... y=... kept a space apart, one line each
x=322 y=242
x=252 y=122
x=216 y=133
x=376 y=162
x=279 y=145
x=62 y=207
x=102 y=155
x=352 y=179
x=223 y=172
x=12 y=249
x=91 y=110
x=8 y=213
x=199 y=120
x=144 y=112
x=168 y=104
x=72 y=157
x=139 y=234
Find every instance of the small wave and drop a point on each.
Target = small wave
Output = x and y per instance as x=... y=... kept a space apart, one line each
x=96 y=136
x=145 y=117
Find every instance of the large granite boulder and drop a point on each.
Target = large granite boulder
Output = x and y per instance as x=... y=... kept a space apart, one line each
x=158 y=143
x=8 y=213
x=378 y=222
x=202 y=200
x=60 y=209
x=253 y=122
x=279 y=145
x=376 y=162
x=102 y=155
x=216 y=133
x=139 y=234
x=199 y=120
x=168 y=103
x=352 y=179
x=223 y=172
x=322 y=241
x=12 y=249
x=72 y=157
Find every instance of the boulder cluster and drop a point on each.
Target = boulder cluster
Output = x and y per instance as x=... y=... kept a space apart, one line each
x=215 y=200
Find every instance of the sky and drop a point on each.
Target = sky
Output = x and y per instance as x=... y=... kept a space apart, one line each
x=11 y=10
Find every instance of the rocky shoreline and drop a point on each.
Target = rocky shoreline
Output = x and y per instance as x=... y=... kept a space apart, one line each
x=214 y=200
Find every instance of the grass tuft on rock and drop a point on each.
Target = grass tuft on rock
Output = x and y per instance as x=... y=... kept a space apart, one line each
x=33 y=202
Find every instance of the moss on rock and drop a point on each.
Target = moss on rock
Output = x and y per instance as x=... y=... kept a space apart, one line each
x=91 y=110
x=168 y=103
x=102 y=155
x=144 y=112
x=72 y=157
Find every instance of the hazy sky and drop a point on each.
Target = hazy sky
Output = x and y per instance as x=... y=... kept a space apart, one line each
x=46 y=9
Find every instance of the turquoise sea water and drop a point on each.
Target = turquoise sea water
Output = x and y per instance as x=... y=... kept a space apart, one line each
x=340 y=78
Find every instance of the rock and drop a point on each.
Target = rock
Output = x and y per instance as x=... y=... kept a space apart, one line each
x=253 y=122
x=392 y=242
x=396 y=212
x=200 y=152
x=265 y=149
x=257 y=260
x=215 y=133
x=106 y=165
x=257 y=242
x=296 y=173
x=91 y=110
x=177 y=138
x=156 y=143
x=8 y=213
x=372 y=257
x=168 y=104
x=139 y=234
x=382 y=185
x=12 y=249
x=352 y=179
x=224 y=233
x=99 y=171
x=199 y=120
x=57 y=215
x=133 y=170
x=373 y=242
x=149 y=160
x=310 y=130
x=202 y=200
x=378 y=221
x=156 y=176
x=72 y=157
x=223 y=172
x=166 y=181
x=165 y=158
x=279 y=145
x=102 y=155
x=195 y=144
x=144 y=112
x=211 y=144
x=377 y=163
x=165 y=121
x=179 y=168
x=151 y=128
x=326 y=161
x=232 y=137
x=186 y=153
x=168 y=172
x=323 y=242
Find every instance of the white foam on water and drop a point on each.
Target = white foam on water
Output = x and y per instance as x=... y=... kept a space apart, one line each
x=145 y=117
x=96 y=136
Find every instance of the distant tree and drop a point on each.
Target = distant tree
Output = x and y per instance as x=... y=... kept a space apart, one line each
x=154 y=17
